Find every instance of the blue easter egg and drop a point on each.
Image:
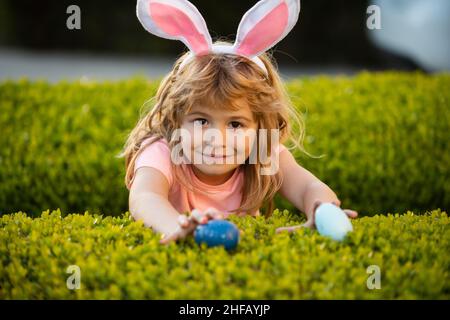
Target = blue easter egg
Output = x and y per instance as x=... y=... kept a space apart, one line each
x=331 y=221
x=217 y=233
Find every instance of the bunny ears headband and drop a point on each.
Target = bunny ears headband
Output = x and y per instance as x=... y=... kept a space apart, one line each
x=262 y=27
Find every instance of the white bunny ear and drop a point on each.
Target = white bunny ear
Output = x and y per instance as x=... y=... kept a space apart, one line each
x=175 y=20
x=264 y=25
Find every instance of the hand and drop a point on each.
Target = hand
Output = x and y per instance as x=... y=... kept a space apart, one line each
x=310 y=223
x=187 y=225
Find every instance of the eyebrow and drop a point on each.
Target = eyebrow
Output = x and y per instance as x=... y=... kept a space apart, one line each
x=207 y=115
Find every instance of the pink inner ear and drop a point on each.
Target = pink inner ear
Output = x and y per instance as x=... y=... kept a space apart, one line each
x=175 y=22
x=266 y=31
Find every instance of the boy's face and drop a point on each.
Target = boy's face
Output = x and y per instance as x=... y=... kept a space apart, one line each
x=220 y=140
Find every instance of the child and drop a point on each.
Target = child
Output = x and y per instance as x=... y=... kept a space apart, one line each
x=230 y=90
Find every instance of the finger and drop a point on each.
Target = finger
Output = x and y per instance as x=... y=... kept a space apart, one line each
x=183 y=220
x=351 y=213
x=198 y=216
x=288 y=229
x=316 y=204
x=213 y=213
x=337 y=203
x=309 y=224
x=192 y=217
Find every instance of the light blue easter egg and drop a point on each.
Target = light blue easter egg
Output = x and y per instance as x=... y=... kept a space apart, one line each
x=331 y=221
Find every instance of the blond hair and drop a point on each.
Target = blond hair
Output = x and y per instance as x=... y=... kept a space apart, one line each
x=221 y=79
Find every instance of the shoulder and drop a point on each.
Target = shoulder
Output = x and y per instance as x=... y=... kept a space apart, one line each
x=280 y=148
x=155 y=143
x=155 y=148
x=155 y=152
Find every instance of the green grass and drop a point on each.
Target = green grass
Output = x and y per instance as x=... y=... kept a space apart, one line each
x=122 y=259
x=385 y=136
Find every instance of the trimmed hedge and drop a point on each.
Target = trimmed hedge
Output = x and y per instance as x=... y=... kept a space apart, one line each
x=385 y=136
x=122 y=259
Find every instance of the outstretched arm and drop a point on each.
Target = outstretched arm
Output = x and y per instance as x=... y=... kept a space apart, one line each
x=304 y=190
x=148 y=201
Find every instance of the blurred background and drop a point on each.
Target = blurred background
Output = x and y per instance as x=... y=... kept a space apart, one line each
x=331 y=37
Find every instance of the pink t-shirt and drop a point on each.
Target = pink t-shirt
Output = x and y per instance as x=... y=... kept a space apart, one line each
x=226 y=196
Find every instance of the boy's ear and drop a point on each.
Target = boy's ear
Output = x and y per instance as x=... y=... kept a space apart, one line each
x=264 y=25
x=175 y=20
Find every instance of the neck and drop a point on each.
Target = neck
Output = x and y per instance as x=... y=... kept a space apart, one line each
x=213 y=180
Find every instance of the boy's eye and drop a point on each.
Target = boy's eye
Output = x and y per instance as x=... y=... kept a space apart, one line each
x=201 y=121
x=236 y=125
